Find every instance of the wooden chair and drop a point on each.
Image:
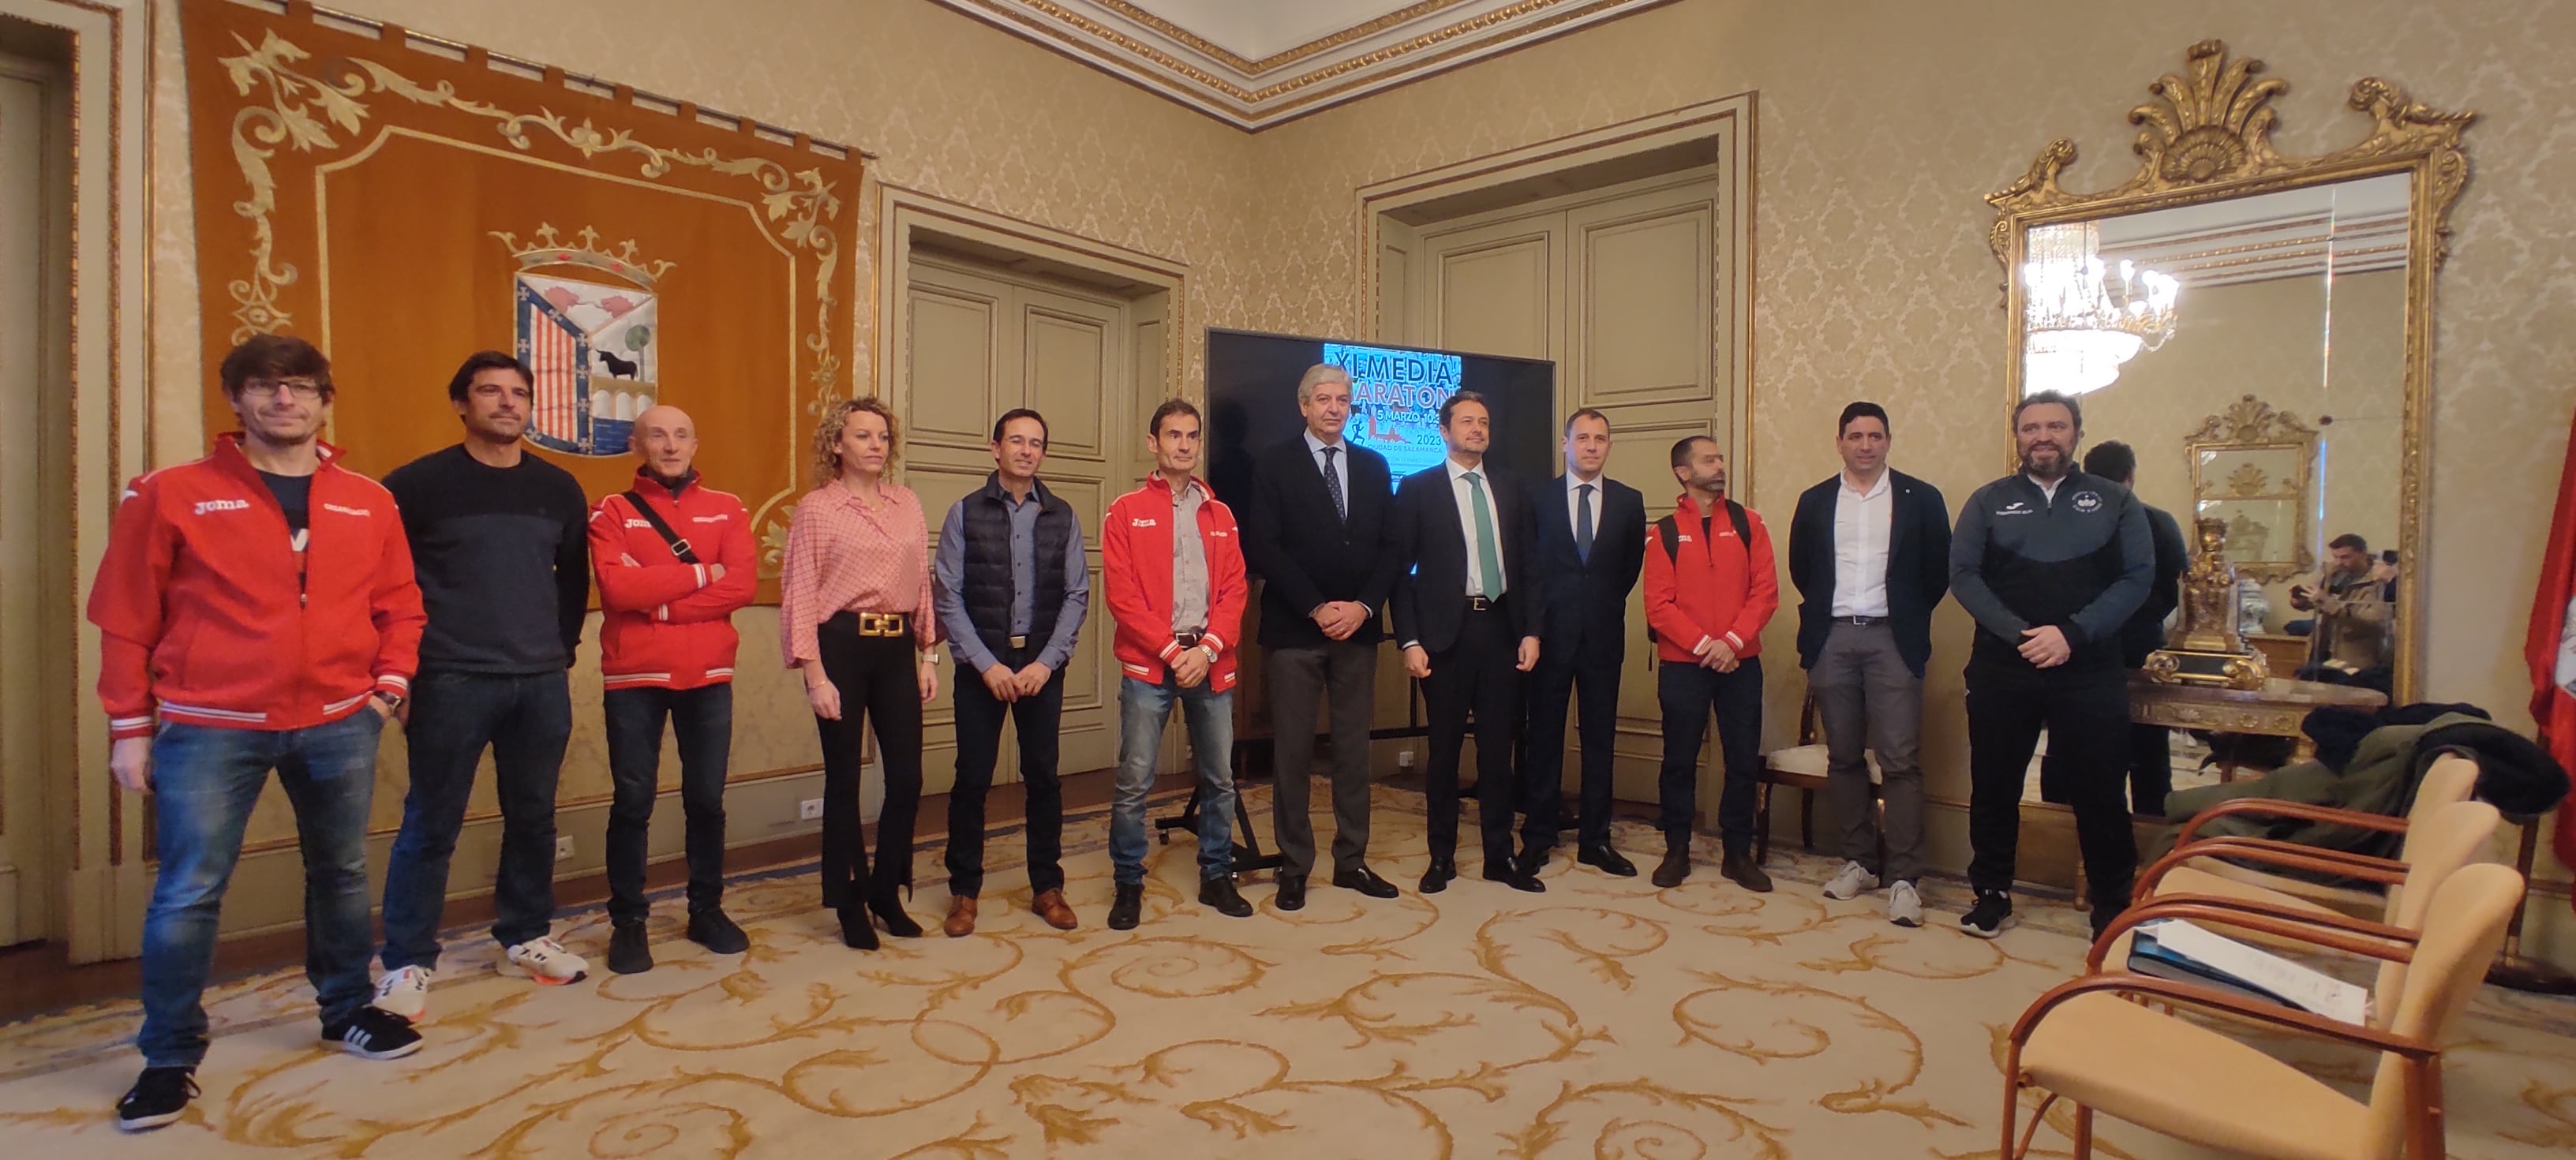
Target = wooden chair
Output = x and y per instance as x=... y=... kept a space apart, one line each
x=2218 y=866
x=1800 y=767
x=2090 y=1042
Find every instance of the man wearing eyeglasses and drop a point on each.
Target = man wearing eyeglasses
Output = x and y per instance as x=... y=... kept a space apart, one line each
x=256 y=611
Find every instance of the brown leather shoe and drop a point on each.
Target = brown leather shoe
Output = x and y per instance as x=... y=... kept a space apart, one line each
x=961 y=917
x=1052 y=907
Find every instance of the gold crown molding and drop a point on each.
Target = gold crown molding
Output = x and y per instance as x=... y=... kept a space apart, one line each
x=1165 y=58
x=2206 y=135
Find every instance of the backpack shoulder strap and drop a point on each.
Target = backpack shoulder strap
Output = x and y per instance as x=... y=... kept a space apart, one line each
x=1743 y=526
x=1670 y=533
x=679 y=547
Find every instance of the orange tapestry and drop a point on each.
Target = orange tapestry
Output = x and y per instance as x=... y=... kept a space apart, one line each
x=403 y=206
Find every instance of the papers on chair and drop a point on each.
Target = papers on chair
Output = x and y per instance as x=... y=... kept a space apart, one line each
x=2177 y=950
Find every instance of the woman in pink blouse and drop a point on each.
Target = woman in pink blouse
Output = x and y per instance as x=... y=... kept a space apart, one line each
x=854 y=612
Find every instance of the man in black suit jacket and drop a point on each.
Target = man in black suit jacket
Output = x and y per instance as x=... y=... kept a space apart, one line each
x=1316 y=536
x=1466 y=611
x=2150 y=746
x=1587 y=546
x=1869 y=550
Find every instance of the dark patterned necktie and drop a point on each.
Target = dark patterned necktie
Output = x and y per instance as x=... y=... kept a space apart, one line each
x=1583 y=523
x=1333 y=484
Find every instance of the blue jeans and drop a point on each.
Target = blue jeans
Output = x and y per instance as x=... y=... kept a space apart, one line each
x=527 y=720
x=204 y=783
x=703 y=719
x=1142 y=710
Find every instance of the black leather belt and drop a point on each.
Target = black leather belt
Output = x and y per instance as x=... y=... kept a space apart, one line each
x=1861 y=621
x=1186 y=639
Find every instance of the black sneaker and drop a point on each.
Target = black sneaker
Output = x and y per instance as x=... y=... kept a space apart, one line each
x=374 y=1033
x=159 y=1096
x=1991 y=916
x=710 y=928
x=629 y=951
x=1128 y=907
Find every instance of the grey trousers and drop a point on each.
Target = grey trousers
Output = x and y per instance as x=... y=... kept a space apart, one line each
x=1869 y=701
x=1346 y=673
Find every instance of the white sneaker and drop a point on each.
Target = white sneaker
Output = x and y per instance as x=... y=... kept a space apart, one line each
x=1904 y=906
x=1854 y=881
x=545 y=960
x=405 y=993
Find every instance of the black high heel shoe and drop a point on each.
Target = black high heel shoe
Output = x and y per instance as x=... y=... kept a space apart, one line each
x=856 y=932
x=890 y=912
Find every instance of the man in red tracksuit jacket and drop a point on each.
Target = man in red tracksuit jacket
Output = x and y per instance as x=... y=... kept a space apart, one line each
x=1171 y=559
x=1710 y=587
x=256 y=611
x=675 y=561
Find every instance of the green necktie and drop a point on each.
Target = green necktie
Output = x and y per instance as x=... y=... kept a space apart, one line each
x=1489 y=564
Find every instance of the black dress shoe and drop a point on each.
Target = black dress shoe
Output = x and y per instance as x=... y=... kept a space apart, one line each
x=1675 y=867
x=1740 y=868
x=1436 y=879
x=710 y=928
x=857 y=933
x=1127 y=907
x=1514 y=877
x=1606 y=860
x=1365 y=881
x=1292 y=892
x=1532 y=860
x=629 y=951
x=1220 y=893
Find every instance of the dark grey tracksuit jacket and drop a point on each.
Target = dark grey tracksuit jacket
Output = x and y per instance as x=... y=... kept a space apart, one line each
x=2082 y=561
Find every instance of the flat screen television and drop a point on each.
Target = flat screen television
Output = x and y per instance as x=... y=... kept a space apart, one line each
x=1396 y=392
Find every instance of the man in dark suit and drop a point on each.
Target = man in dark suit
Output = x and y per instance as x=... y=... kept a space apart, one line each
x=1869 y=550
x=1466 y=610
x=1316 y=536
x=1587 y=545
x=2150 y=746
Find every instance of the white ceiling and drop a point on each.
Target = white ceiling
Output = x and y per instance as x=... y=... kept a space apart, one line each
x=2349 y=227
x=1256 y=63
x=1253 y=29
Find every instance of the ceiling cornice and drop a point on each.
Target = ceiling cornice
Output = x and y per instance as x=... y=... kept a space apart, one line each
x=1407 y=44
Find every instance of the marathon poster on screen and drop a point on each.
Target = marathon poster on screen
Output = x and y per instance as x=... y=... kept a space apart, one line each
x=1395 y=401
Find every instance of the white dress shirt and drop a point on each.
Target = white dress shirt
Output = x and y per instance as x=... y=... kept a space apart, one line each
x=1863 y=523
x=1478 y=584
x=1574 y=502
x=1339 y=464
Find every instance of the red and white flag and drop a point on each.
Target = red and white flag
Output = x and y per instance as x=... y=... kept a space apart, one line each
x=2551 y=705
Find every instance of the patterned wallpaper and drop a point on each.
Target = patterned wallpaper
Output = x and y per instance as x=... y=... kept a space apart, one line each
x=1882 y=124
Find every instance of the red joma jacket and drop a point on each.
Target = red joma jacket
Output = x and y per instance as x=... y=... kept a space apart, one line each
x=206 y=618
x=662 y=623
x=1136 y=568
x=1712 y=586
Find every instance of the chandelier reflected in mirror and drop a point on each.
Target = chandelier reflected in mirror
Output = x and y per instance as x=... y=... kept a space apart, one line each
x=2086 y=318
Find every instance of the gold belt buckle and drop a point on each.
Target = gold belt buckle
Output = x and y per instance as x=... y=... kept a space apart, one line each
x=1019 y=642
x=874 y=624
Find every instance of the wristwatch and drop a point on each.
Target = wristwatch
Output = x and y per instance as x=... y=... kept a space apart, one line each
x=393 y=702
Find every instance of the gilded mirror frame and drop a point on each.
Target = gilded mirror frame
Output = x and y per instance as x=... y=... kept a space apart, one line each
x=2207 y=136
x=2251 y=425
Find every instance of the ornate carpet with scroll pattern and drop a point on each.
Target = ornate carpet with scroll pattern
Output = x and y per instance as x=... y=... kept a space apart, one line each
x=1602 y=1019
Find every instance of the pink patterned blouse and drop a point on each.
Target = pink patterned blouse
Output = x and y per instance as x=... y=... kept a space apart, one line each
x=846 y=553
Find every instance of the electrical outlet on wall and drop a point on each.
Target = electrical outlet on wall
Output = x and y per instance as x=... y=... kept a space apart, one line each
x=1404 y=760
x=563 y=847
x=809 y=810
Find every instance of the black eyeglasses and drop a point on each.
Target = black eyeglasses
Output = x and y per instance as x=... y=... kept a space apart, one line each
x=304 y=389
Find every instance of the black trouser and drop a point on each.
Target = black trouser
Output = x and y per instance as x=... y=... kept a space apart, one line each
x=879 y=682
x=1688 y=691
x=2086 y=714
x=1475 y=673
x=1592 y=673
x=703 y=720
x=979 y=747
x=1342 y=674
